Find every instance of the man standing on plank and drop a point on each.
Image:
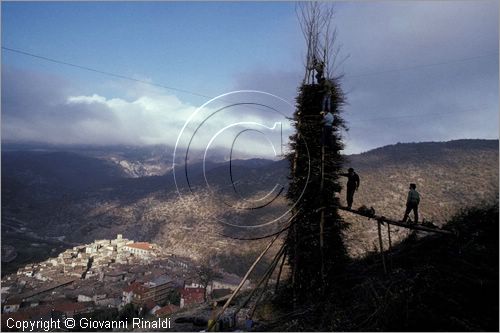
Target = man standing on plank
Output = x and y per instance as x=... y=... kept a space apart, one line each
x=352 y=185
x=412 y=203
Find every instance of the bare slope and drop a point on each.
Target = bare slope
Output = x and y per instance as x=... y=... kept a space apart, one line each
x=449 y=176
x=84 y=198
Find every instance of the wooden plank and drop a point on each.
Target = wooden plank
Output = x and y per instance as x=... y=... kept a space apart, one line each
x=398 y=223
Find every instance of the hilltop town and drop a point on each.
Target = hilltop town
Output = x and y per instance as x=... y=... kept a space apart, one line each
x=110 y=274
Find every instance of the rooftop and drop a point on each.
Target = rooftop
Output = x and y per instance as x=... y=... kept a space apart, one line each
x=192 y=291
x=135 y=287
x=71 y=306
x=166 y=310
x=162 y=279
x=141 y=245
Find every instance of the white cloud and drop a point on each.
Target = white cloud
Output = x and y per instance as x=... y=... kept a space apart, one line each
x=86 y=99
x=149 y=116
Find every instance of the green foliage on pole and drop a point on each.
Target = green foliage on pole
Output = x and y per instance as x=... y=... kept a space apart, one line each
x=315 y=267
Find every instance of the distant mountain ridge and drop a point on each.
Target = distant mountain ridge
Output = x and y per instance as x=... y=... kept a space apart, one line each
x=83 y=195
x=448 y=174
x=422 y=151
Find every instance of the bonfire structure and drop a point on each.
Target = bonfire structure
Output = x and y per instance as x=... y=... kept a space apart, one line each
x=314 y=245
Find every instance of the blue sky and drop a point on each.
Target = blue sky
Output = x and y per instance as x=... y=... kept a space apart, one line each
x=416 y=71
x=194 y=46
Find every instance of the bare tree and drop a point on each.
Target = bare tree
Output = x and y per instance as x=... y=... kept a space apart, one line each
x=206 y=274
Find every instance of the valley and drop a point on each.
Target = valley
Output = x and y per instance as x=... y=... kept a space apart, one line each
x=63 y=199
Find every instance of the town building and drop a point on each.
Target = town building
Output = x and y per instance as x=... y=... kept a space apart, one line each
x=156 y=290
x=192 y=296
x=229 y=281
x=165 y=310
x=11 y=305
x=141 y=249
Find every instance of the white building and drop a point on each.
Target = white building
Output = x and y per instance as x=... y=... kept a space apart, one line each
x=141 y=249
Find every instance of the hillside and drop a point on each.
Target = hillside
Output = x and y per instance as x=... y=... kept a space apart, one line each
x=436 y=283
x=74 y=198
x=449 y=176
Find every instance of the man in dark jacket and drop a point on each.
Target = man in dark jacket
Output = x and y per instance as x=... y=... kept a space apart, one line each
x=412 y=203
x=352 y=185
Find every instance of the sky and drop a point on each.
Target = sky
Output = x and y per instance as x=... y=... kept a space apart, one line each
x=412 y=71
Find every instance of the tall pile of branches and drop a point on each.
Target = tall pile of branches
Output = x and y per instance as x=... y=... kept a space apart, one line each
x=315 y=247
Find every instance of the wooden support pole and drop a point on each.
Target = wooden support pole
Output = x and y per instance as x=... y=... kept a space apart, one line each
x=390 y=246
x=322 y=219
x=254 y=307
x=269 y=274
x=381 y=245
x=250 y=270
x=389 y=235
x=279 y=273
x=321 y=241
x=322 y=184
x=294 y=266
x=265 y=277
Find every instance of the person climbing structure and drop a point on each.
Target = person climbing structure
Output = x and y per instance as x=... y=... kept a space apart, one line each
x=326 y=135
x=352 y=185
x=319 y=67
x=325 y=83
x=326 y=104
x=412 y=203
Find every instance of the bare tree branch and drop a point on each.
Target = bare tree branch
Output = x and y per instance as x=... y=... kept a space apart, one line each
x=316 y=23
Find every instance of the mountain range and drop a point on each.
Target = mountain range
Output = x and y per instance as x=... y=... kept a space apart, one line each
x=54 y=197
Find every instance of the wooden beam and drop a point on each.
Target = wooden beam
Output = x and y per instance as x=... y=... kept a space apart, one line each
x=322 y=218
x=235 y=292
x=265 y=277
x=279 y=273
x=381 y=244
x=398 y=223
